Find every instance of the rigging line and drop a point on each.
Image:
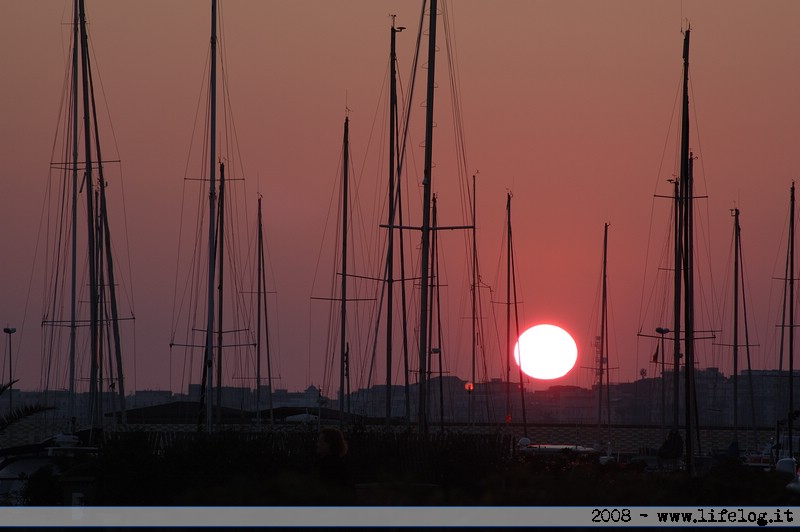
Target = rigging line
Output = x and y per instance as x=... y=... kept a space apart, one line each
x=705 y=234
x=724 y=309
x=192 y=273
x=59 y=226
x=377 y=325
x=381 y=104
x=746 y=290
x=408 y=106
x=652 y=209
x=501 y=350
x=771 y=304
x=455 y=90
x=189 y=157
x=664 y=286
x=365 y=248
x=331 y=331
x=334 y=195
x=121 y=180
x=593 y=324
x=274 y=339
x=44 y=224
x=478 y=311
x=358 y=353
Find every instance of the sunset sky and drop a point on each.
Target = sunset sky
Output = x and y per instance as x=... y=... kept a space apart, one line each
x=570 y=105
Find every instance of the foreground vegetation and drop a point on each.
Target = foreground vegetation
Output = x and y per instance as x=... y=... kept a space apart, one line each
x=382 y=469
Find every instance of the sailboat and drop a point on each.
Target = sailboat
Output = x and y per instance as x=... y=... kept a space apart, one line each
x=213 y=282
x=93 y=340
x=786 y=444
x=344 y=373
x=343 y=344
x=261 y=304
x=683 y=286
x=86 y=241
x=603 y=369
x=511 y=288
x=344 y=348
x=738 y=281
x=683 y=330
x=427 y=228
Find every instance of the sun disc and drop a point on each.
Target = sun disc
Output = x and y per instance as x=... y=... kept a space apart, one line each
x=547 y=352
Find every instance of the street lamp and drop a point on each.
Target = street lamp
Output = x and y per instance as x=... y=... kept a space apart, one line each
x=662 y=331
x=9 y=331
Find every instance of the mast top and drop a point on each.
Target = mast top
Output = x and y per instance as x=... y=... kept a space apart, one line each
x=686 y=43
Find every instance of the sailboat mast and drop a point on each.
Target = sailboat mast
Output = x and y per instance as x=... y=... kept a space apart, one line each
x=509 y=345
x=104 y=234
x=209 y=355
x=221 y=277
x=736 y=324
x=471 y=403
x=343 y=331
x=259 y=288
x=262 y=303
x=90 y=213
x=688 y=260
x=789 y=420
x=513 y=283
x=603 y=367
x=98 y=245
x=392 y=202
x=426 y=218
x=677 y=219
x=74 y=243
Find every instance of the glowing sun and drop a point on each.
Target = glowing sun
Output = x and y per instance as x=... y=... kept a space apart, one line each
x=548 y=352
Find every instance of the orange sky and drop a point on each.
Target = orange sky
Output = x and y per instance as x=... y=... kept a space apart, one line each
x=570 y=105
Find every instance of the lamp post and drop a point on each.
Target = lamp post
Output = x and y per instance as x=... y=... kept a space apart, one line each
x=9 y=331
x=662 y=331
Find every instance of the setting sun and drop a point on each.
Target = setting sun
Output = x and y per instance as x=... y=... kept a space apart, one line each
x=547 y=352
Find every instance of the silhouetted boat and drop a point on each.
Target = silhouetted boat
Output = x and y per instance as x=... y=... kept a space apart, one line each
x=208 y=276
x=54 y=455
x=81 y=243
x=79 y=430
x=780 y=452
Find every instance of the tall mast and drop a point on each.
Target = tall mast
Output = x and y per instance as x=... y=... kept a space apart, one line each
x=262 y=301
x=603 y=367
x=513 y=283
x=688 y=261
x=509 y=345
x=98 y=246
x=789 y=421
x=220 y=281
x=104 y=234
x=74 y=274
x=209 y=356
x=471 y=403
x=343 y=331
x=426 y=218
x=677 y=219
x=260 y=264
x=392 y=204
x=736 y=325
x=747 y=344
x=90 y=216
